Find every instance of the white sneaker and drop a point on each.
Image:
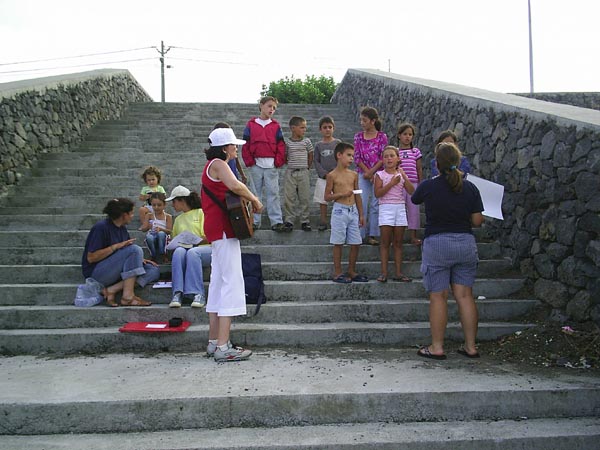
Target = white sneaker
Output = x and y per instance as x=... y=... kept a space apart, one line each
x=232 y=354
x=198 y=301
x=176 y=301
x=211 y=348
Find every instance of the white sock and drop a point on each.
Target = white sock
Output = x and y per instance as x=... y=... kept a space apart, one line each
x=212 y=341
x=224 y=347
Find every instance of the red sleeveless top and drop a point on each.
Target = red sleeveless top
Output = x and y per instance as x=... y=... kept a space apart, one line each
x=215 y=220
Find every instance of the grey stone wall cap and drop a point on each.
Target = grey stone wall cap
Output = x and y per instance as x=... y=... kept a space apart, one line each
x=564 y=114
x=10 y=89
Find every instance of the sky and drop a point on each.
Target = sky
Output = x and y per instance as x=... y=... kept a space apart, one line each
x=225 y=51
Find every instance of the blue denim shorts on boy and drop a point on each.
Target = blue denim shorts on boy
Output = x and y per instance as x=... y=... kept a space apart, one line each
x=392 y=214
x=344 y=225
x=449 y=258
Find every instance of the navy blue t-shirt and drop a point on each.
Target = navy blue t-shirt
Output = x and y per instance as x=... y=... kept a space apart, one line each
x=446 y=211
x=103 y=234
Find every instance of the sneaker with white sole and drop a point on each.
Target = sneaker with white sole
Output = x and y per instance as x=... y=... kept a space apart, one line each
x=211 y=348
x=198 y=301
x=176 y=301
x=232 y=353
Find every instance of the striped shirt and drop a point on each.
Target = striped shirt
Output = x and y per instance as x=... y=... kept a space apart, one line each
x=408 y=162
x=297 y=153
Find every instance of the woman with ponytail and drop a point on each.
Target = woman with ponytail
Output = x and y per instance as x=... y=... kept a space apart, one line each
x=452 y=206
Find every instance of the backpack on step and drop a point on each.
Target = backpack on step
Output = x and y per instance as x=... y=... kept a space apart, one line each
x=253 y=280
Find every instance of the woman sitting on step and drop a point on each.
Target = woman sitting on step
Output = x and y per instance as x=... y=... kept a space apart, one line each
x=111 y=257
x=187 y=261
x=452 y=206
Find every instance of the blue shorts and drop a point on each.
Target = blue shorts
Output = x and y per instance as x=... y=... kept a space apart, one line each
x=344 y=225
x=449 y=258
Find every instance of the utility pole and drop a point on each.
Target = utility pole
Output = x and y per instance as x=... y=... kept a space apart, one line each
x=530 y=50
x=162 y=52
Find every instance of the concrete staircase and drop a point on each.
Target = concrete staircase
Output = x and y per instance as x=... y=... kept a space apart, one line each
x=319 y=345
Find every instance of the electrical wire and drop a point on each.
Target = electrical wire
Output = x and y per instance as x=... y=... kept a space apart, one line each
x=211 y=61
x=206 y=50
x=77 y=56
x=78 y=65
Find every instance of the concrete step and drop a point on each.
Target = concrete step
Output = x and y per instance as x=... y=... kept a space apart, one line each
x=371 y=311
x=272 y=253
x=532 y=434
x=61 y=293
x=310 y=335
x=344 y=385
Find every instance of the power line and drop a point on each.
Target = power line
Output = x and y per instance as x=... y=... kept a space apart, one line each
x=212 y=61
x=206 y=50
x=78 y=65
x=77 y=56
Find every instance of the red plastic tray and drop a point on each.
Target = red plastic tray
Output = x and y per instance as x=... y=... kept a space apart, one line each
x=142 y=327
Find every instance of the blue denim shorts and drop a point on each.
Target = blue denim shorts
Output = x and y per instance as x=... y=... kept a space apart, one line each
x=344 y=225
x=449 y=258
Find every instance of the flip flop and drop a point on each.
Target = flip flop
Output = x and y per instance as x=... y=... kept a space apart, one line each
x=342 y=279
x=463 y=352
x=425 y=353
x=110 y=298
x=382 y=278
x=402 y=278
x=359 y=279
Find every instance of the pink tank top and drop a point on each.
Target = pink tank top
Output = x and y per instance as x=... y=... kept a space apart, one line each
x=396 y=194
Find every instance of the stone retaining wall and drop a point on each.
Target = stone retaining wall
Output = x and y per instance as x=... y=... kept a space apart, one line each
x=582 y=99
x=53 y=114
x=547 y=156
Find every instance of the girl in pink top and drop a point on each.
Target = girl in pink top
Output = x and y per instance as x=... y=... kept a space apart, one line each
x=368 y=147
x=391 y=183
x=410 y=159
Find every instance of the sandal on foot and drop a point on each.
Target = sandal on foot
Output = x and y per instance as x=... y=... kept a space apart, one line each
x=372 y=241
x=359 y=278
x=416 y=242
x=134 y=301
x=426 y=353
x=382 y=278
x=463 y=352
x=110 y=298
x=342 y=279
x=402 y=278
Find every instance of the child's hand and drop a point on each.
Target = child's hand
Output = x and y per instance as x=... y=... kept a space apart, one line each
x=361 y=221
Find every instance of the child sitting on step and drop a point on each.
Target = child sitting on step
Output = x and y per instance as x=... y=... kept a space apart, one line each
x=159 y=224
x=151 y=176
x=346 y=215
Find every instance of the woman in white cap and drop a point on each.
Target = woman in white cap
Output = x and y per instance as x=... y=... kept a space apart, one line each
x=226 y=294
x=186 y=263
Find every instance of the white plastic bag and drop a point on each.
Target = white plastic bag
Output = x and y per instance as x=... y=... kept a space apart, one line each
x=89 y=294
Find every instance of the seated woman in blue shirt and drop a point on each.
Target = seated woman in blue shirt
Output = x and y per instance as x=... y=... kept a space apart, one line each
x=111 y=257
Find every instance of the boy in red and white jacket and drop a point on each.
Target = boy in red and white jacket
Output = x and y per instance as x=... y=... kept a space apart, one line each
x=263 y=154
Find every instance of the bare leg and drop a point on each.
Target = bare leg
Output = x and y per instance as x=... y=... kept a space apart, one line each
x=128 y=286
x=323 y=211
x=337 y=260
x=397 y=243
x=384 y=247
x=469 y=317
x=438 y=319
x=213 y=326
x=352 y=260
x=110 y=292
x=223 y=330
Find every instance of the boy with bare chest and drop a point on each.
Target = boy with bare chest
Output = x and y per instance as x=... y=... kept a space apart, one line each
x=346 y=215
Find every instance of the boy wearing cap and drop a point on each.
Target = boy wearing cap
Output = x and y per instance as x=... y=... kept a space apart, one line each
x=263 y=154
x=226 y=292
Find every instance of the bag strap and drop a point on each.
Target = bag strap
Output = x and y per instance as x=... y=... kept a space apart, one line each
x=215 y=199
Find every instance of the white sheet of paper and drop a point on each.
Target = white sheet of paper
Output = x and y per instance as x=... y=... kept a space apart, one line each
x=491 y=195
x=357 y=191
x=162 y=285
x=156 y=325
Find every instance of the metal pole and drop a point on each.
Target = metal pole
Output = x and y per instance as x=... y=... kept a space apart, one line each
x=530 y=50
x=162 y=71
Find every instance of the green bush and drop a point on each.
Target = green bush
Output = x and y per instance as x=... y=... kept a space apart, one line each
x=294 y=90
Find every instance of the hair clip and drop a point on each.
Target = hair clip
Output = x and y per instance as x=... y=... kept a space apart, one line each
x=452 y=167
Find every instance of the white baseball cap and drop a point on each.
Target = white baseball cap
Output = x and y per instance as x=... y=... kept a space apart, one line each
x=178 y=191
x=223 y=136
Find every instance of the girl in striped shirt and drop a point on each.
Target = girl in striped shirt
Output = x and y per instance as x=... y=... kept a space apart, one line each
x=410 y=161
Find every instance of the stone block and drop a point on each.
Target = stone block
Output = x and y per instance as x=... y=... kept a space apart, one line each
x=553 y=293
x=579 y=307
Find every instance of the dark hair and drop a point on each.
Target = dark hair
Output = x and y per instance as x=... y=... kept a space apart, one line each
x=207 y=150
x=447 y=134
x=326 y=119
x=116 y=207
x=159 y=195
x=192 y=200
x=151 y=170
x=267 y=98
x=221 y=125
x=296 y=121
x=403 y=126
x=448 y=156
x=216 y=152
x=341 y=148
x=372 y=114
